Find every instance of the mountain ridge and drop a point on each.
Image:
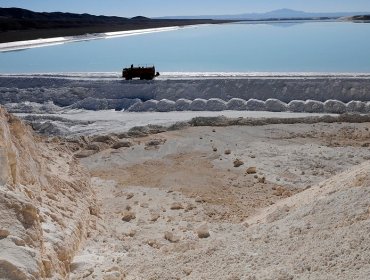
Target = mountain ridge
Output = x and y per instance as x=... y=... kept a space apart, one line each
x=283 y=13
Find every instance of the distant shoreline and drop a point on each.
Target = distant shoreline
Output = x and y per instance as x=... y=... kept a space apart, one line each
x=35 y=34
x=20 y=45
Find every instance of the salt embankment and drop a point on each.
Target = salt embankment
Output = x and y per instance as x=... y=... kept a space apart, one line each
x=299 y=93
x=46 y=204
x=66 y=90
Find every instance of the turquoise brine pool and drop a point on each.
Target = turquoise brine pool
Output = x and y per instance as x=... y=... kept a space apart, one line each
x=239 y=47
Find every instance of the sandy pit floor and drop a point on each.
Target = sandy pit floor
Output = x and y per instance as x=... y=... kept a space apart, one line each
x=237 y=202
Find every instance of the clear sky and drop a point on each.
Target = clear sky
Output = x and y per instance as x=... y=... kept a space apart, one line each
x=152 y=8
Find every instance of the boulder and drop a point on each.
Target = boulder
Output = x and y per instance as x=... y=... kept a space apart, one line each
x=334 y=107
x=356 y=106
x=198 y=104
x=166 y=105
x=216 y=104
x=136 y=107
x=367 y=107
x=150 y=105
x=296 y=106
x=275 y=105
x=237 y=104
x=93 y=104
x=182 y=104
x=256 y=105
x=313 y=106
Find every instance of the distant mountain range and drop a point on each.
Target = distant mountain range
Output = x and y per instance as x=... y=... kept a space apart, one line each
x=19 y=24
x=276 y=14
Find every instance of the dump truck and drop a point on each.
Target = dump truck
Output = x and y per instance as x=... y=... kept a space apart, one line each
x=142 y=72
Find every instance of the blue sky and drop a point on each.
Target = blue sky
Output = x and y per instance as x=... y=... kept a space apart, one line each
x=152 y=8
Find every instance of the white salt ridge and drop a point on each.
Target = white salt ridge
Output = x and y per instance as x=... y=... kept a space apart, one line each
x=271 y=105
x=19 y=45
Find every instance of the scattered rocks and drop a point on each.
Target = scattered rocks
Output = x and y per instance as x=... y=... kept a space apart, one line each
x=103 y=139
x=203 y=231
x=171 y=237
x=127 y=216
x=262 y=180
x=4 y=233
x=155 y=143
x=251 y=170
x=153 y=243
x=199 y=199
x=122 y=144
x=187 y=271
x=176 y=206
x=154 y=217
x=129 y=196
x=238 y=163
x=281 y=191
x=85 y=153
x=227 y=152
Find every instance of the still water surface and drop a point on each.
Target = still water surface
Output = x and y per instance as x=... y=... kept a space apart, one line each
x=240 y=47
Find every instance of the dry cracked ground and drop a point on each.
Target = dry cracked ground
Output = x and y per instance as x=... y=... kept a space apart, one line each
x=238 y=202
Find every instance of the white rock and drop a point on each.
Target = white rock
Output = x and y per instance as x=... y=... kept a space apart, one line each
x=166 y=105
x=198 y=104
x=182 y=104
x=216 y=104
x=313 y=106
x=296 y=106
x=356 y=106
x=237 y=104
x=334 y=107
x=255 y=105
x=275 y=105
x=137 y=107
x=150 y=105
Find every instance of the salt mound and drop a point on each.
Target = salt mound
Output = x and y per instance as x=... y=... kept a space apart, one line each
x=216 y=104
x=313 y=106
x=334 y=107
x=45 y=204
x=198 y=104
x=147 y=106
x=275 y=105
x=33 y=108
x=256 y=105
x=136 y=107
x=237 y=104
x=166 y=105
x=91 y=103
x=296 y=106
x=323 y=232
x=356 y=106
x=182 y=104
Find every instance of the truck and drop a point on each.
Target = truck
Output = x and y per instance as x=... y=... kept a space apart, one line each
x=142 y=72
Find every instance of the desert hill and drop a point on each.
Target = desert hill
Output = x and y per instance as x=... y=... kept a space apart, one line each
x=20 y=24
